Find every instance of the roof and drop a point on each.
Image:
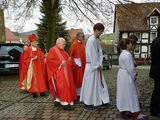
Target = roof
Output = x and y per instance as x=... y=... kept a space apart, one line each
x=10 y=36
x=72 y=33
x=133 y=17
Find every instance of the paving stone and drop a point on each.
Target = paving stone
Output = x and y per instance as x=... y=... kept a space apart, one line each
x=105 y=115
x=22 y=119
x=100 y=118
x=30 y=116
x=73 y=118
x=63 y=114
x=46 y=116
x=112 y=116
x=108 y=119
x=20 y=105
x=63 y=118
x=92 y=118
x=74 y=115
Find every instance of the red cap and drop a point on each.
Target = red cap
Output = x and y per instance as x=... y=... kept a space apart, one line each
x=32 y=37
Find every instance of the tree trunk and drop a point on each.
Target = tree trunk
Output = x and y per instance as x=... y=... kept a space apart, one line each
x=2 y=27
x=50 y=10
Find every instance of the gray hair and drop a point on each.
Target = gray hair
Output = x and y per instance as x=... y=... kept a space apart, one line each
x=59 y=40
x=78 y=34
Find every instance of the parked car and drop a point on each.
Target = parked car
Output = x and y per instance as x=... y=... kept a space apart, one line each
x=10 y=57
x=107 y=62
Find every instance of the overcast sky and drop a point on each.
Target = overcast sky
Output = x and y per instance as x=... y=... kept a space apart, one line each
x=21 y=25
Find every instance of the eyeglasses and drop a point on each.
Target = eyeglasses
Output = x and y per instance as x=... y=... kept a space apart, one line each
x=25 y=44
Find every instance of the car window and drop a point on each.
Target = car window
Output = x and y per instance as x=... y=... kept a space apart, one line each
x=5 y=50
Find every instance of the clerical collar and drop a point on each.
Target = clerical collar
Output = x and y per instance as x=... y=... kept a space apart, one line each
x=79 y=41
x=34 y=48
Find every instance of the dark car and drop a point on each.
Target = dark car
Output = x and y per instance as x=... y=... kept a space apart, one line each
x=107 y=62
x=10 y=57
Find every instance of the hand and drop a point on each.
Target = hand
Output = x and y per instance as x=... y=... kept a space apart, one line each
x=35 y=58
x=70 y=60
x=99 y=68
x=135 y=64
x=136 y=74
x=63 y=62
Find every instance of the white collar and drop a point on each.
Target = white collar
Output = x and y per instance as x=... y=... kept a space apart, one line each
x=34 y=48
x=79 y=41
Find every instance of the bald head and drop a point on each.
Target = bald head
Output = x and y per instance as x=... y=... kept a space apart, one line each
x=61 y=43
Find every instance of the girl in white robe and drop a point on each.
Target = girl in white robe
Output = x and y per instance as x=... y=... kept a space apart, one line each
x=127 y=94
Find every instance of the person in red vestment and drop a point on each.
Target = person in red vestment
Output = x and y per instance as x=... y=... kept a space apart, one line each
x=60 y=76
x=33 y=77
x=21 y=64
x=77 y=53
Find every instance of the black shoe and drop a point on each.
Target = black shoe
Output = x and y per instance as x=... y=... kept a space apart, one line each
x=35 y=95
x=155 y=114
x=42 y=94
x=126 y=114
x=107 y=105
x=78 y=97
x=89 y=108
x=140 y=104
x=68 y=107
x=76 y=102
x=57 y=104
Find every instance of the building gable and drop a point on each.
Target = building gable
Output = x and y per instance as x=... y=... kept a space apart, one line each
x=133 y=17
x=154 y=12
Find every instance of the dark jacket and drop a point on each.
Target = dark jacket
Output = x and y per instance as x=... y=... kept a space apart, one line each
x=155 y=58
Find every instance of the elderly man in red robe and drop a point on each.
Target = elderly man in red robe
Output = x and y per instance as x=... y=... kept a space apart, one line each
x=33 y=77
x=21 y=64
x=77 y=53
x=60 y=76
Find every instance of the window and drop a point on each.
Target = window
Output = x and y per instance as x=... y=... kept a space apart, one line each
x=124 y=35
x=153 y=35
x=137 y=49
x=145 y=35
x=144 y=49
x=7 y=50
x=153 y=20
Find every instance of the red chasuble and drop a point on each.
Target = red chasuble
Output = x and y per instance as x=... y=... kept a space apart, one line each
x=77 y=50
x=20 y=70
x=33 y=77
x=62 y=74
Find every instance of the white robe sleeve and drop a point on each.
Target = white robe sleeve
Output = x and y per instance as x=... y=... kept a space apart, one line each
x=92 y=51
x=100 y=56
x=130 y=66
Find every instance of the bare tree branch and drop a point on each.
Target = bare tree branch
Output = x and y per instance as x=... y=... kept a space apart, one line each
x=83 y=13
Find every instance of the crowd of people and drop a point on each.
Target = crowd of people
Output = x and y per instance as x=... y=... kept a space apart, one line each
x=78 y=76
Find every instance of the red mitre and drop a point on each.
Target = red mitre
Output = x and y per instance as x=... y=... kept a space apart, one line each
x=32 y=38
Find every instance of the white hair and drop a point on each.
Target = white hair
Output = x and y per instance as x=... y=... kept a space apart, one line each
x=59 y=40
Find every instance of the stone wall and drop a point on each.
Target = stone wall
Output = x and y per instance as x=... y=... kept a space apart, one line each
x=2 y=28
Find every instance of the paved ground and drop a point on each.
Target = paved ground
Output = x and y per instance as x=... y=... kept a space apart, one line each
x=16 y=104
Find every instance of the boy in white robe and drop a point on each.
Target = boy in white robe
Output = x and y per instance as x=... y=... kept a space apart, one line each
x=94 y=89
